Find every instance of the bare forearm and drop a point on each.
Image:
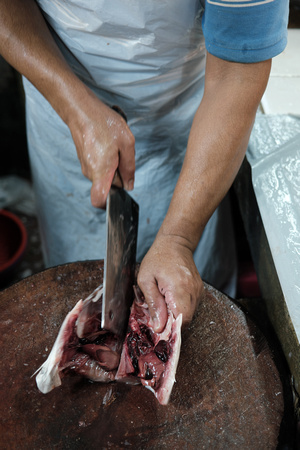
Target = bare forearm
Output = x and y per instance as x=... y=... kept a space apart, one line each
x=217 y=145
x=102 y=138
x=27 y=44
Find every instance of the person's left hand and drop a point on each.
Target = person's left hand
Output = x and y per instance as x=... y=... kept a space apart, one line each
x=168 y=276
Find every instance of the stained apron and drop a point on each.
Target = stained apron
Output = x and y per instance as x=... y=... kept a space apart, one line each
x=149 y=59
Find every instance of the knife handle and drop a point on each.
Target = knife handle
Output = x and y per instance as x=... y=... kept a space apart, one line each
x=117 y=180
x=119 y=111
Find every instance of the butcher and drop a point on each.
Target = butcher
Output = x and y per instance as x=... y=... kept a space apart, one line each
x=187 y=77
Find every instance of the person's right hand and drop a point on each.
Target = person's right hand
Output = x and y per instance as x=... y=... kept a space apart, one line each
x=102 y=138
x=104 y=144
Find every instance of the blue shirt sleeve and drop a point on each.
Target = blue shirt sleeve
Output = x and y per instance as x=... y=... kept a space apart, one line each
x=245 y=31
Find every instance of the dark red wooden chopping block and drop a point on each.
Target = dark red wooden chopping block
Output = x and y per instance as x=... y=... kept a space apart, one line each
x=227 y=395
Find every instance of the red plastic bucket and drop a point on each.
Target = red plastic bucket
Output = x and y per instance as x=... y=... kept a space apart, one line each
x=13 y=241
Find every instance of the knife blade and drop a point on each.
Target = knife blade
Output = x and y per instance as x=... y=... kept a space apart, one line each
x=122 y=214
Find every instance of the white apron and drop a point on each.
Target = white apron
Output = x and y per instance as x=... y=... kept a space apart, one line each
x=149 y=59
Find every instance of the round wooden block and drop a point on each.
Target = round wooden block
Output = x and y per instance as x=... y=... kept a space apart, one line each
x=227 y=393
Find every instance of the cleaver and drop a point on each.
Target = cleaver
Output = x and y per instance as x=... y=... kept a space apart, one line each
x=122 y=214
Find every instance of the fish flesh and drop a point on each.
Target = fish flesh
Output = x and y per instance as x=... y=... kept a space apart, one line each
x=83 y=347
x=150 y=356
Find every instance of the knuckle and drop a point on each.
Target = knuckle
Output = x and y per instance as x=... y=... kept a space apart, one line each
x=130 y=139
x=85 y=171
x=141 y=280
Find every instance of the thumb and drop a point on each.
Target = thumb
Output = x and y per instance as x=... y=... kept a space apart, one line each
x=100 y=188
x=99 y=194
x=156 y=304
